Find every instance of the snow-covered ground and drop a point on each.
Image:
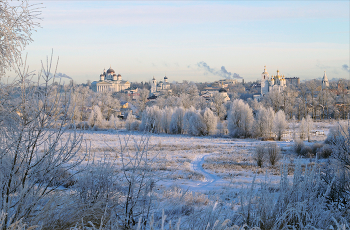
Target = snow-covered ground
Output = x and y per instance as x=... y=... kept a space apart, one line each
x=198 y=164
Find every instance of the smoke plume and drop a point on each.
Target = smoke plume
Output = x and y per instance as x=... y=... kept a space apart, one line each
x=346 y=67
x=222 y=72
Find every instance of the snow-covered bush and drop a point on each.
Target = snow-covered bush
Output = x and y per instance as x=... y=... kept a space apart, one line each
x=240 y=119
x=279 y=124
x=340 y=129
x=306 y=151
x=260 y=155
x=129 y=120
x=273 y=153
x=316 y=148
x=325 y=152
x=135 y=125
x=300 y=203
x=298 y=146
x=97 y=182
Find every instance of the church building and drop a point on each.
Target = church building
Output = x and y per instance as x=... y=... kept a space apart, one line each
x=110 y=81
x=325 y=82
x=277 y=82
x=161 y=86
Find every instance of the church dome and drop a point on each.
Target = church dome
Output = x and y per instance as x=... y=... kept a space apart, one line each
x=110 y=70
x=165 y=77
x=114 y=74
x=222 y=90
x=119 y=75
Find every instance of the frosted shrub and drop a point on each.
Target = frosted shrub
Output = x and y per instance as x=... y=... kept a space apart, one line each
x=299 y=203
x=306 y=151
x=340 y=170
x=97 y=182
x=273 y=153
x=260 y=155
x=298 y=146
x=325 y=152
x=135 y=125
x=129 y=120
x=279 y=124
x=340 y=129
x=176 y=123
x=316 y=148
x=83 y=125
x=240 y=119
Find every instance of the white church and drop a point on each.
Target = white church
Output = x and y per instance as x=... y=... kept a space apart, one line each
x=110 y=81
x=161 y=86
x=277 y=82
x=325 y=82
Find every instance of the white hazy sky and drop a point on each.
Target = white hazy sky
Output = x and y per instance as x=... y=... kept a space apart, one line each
x=142 y=39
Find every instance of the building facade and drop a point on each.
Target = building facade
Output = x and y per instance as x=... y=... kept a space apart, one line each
x=110 y=81
x=277 y=82
x=161 y=86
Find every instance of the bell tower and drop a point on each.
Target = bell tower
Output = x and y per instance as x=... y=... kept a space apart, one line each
x=265 y=77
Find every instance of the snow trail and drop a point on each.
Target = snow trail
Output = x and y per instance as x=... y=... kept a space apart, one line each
x=209 y=179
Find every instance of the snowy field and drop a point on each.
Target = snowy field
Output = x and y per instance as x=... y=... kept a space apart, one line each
x=206 y=165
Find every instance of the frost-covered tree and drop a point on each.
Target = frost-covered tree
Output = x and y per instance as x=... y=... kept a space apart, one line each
x=197 y=126
x=240 y=119
x=279 y=124
x=305 y=128
x=218 y=105
x=142 y=99
x=151 y=120
x=18 y=21
x=263 y=123
x=107 y=103
x=210 y=120
x=176 y=124
x=186 y=119
x=166 y=119
x=273 y=99
x=293 y=126
x=96 y=119
x=200 y=103
x=34 y=158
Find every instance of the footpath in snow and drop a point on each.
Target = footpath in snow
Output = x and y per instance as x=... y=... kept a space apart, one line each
x=210 y=182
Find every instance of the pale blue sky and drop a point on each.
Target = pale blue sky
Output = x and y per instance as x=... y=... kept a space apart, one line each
x=142 y=39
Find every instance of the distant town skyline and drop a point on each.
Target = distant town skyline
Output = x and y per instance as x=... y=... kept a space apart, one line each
x=194 y=40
